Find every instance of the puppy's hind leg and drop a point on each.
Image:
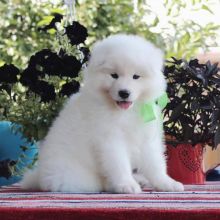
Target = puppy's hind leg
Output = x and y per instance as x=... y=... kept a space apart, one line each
x=71 y=179
x=30 y=180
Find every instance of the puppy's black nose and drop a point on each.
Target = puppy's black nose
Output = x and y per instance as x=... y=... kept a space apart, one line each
x=124 y=94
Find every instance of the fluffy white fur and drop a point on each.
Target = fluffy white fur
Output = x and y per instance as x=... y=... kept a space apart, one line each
x=94 y=144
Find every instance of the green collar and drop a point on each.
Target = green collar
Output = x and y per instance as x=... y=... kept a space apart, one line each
x=147 y=110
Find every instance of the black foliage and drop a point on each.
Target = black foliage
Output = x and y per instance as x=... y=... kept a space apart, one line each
x=76 y=33
x=8 y=73
x=6 y=87
x=193 y=113
x=45 y=90
x=70 y=88
x=86 y=54
x=29 y=76
x=5 y=170
x=37 y=77
x=50 y=63
x=71 y=66
x=46 y=63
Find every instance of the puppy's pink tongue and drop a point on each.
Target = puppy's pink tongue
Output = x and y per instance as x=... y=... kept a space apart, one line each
x=124 y=104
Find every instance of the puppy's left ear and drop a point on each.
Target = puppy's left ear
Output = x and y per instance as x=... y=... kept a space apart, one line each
x=158 y=83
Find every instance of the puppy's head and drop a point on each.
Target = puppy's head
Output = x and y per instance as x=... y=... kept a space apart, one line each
x=124 y=69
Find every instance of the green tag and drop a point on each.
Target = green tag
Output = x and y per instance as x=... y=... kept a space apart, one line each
x=147 y=110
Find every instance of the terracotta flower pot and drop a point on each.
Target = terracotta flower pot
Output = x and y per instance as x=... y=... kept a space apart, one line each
x=185 y=163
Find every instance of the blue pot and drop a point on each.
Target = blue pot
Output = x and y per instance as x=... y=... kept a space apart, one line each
x=10 y=148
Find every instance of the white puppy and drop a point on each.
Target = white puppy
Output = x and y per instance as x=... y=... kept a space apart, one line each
x=100 y=136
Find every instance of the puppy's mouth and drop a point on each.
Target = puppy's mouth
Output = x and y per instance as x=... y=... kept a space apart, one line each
x=124 y=104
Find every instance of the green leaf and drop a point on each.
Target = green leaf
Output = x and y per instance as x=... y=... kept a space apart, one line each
x=205 y=7
x=186 y=38
x=57 y=10
x=2 y=63
x=45 y=21
x=51 y=31
x=156 y=21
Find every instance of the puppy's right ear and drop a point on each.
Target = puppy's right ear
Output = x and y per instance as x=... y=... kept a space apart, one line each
x=97 y=57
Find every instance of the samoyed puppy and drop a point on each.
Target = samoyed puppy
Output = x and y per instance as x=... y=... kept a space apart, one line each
x=100 y=137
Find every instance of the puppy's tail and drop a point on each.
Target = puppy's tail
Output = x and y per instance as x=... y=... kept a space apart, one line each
x=31 y=180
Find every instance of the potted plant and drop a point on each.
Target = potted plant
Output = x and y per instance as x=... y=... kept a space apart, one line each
x=32 y=97
x=192 y=116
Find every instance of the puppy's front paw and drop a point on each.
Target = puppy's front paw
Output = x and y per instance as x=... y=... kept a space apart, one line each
x=177 y=186
x=169 y=185
x=130 y=186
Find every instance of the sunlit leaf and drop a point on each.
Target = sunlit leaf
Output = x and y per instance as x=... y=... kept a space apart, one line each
x=45 y=21
x=205 y=7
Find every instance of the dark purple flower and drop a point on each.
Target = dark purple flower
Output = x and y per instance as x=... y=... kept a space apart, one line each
x=38 y=58
x=71 y=66
x=29 y=76
x=8 y=73
x=45 y=90
x=76 y=33
x=50 y=63
x=46 y=62
x=70 y=88
x=53 y=65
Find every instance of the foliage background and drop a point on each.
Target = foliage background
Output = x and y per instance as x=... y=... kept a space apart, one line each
x=179 y=36
x=20 y=37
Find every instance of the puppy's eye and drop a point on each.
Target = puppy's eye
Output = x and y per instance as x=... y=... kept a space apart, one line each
x=136 y=76
x=114 y=75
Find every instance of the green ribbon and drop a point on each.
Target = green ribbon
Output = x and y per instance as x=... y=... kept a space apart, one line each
x=147 y=110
